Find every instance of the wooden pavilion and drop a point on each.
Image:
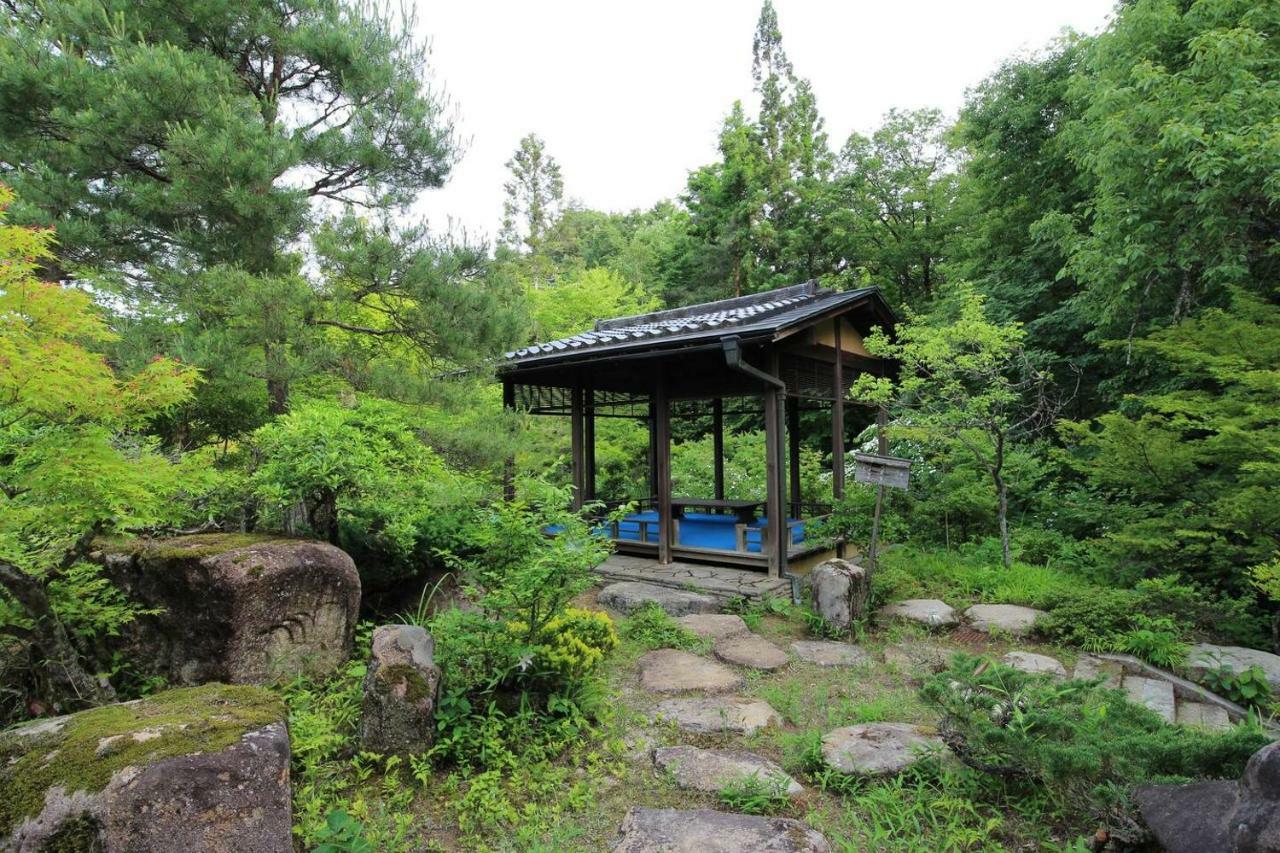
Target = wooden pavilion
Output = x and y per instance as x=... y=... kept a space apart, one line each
x=787 y=349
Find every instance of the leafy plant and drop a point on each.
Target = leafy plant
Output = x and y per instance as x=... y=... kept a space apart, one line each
x=756 y=795
x=1249 y=687
x=341 y=833
x=650 y=627
x=1157 y=640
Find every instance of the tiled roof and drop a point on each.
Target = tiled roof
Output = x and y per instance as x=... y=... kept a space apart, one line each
x=756 y=312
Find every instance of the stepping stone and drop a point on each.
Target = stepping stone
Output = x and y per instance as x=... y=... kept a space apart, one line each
x=734 y=714
x=929 y=612
x=713 y=626
x=751 y=651
x=1089 y=667
x=707 y=831
x=918 y=657
x=674 y=671
x=1011 y=619
x=1204 y=657
x=712 y=769
x=877 y=749
x=829 y=653
x=1154 y=693
x=626 y=596
x=1202 y=715
x=1035 y=664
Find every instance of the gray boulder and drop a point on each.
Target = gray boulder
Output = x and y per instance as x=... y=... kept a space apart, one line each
x=1011 y=619
x=929 y=612
x=707 y=831
x=400 y=688
x=840 y=591
x=239 y=608
x=202 y=768
x=1036 y=664
x=626 y=596
x=1207 y=656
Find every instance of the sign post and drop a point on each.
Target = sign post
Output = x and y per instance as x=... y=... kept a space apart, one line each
x=882 y=470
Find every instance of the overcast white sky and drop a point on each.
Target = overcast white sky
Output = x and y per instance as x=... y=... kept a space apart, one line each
x=629 y=96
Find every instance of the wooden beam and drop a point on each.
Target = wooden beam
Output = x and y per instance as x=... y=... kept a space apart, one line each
x=589 y=444
x=775 y=540
x=509 y=464
x=662 y=434
x=717 y=432
x=793 y=454
x=576 y=447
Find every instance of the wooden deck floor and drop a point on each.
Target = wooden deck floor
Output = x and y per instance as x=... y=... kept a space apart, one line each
x=720 y=581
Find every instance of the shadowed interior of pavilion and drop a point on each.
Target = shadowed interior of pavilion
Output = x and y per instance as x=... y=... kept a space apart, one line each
x=769 y=356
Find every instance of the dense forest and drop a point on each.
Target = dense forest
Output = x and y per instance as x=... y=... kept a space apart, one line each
x=219 y=316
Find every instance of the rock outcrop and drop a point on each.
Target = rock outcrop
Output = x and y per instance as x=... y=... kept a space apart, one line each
x=243 y=609
x=400 y=690
x=840 y=591
x=201 y=768
x=1206 y=656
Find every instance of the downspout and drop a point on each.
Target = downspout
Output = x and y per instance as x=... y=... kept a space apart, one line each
x=734 y=361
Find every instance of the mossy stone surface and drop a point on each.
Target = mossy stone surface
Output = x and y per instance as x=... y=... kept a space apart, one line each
x=82 y=752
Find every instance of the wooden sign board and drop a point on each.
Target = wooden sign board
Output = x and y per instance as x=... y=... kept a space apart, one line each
x=881 y=470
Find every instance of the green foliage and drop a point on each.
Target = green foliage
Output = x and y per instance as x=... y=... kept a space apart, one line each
x=572 y=304
x=756 y=795
x=650 y=627
x=1248 y=688
x=367 y=482
x=572 y=644
x=1157 y=640
x=1078 y=741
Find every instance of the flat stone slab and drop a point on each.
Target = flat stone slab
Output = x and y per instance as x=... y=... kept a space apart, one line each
x=1153 y=693
x=1207 y=656
x=735 y=714
x=751 y=651
x=1089 y=667
x=626 y=596
x=1202 y=715
x=1010 y=619
x=929 y=612
x=674 y=671
x=714 y=626
x=877 y=749
x=1035 y=663
x=712 y=769
x=829 y=653
x=918 y=657
x=707 y=831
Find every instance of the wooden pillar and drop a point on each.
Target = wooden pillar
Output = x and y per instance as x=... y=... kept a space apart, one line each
x=589 y=444
x=793 y=455
x=837 y=427
x=717 y=433
x=576 y=444
x=662 y=436
x=509 y=464
x=837 y=420
x=653 y=450
x=775 y=541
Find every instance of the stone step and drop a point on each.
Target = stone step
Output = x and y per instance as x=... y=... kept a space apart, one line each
x=1203 y=715
x=1153 y=693
x=711 y=770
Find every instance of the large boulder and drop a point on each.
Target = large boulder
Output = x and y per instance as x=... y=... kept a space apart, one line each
x=400 y=687
x=1234 y=817
x=235 y=607
x=706 y=831
x=840 y=591
x=1207 y=656
x=200 y=768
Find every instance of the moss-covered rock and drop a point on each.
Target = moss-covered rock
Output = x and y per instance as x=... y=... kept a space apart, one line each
x=197 y=768
x=235 y=607
x=400 y=687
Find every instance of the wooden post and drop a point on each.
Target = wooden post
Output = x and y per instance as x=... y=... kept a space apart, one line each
x=662 y=434
x=837 y=427
x=775 y=540
x=882 y=447
x=653 y=451
x=717 y=433
x=589 y=444
x=509 y=464
x=793 y=451
x=576 y=446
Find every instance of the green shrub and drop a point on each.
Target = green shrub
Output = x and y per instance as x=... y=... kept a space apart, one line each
x=1248 y=688
x=572 y=644
x=1078 y=742
x=650 y=627
x=1157 y=640
x=1089 y=617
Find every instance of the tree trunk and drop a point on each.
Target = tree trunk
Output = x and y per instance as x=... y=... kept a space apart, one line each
x=1002 y=501
x=277 y=383
x=64 y=678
